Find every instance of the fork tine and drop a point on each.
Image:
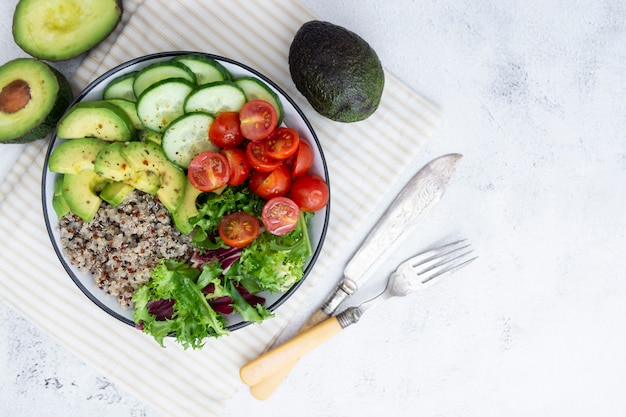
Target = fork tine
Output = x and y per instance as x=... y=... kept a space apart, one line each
x=438 y=261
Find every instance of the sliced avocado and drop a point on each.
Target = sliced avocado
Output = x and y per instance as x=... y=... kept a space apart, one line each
x=144 y=166
x=63 y=29
x=80 y=193
x=116 y=192
x=58 y=202
x=73 y=156
x=172 y=188
x=33 y=97
x=337 y=71
x=112 y=163
x=149 y=157
x=187 y=209
x=96 y=119
x=130 y=108
x=151 y=136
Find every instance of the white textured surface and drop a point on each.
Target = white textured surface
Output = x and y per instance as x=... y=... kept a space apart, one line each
x=533 y=96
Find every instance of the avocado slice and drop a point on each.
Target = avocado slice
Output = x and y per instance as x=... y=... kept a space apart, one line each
x=63 y=29
x=116 y=192
x=33 y=97
x=112 y=163
x=58 y=202
x=337 y=71
x=75 y=155
x=96 y=119
x=187 y=209
x=144 y=166
x=80 y=191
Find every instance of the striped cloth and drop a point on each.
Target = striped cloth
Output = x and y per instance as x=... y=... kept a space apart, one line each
x=199 y=383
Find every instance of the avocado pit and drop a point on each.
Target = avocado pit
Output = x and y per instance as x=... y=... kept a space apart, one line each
x=14 y=96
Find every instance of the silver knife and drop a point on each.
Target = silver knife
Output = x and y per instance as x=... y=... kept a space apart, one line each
x=417 y=197
x=415 y=200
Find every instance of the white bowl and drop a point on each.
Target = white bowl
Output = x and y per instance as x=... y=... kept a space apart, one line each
x=293 y=117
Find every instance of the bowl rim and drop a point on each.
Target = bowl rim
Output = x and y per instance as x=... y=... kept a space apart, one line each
x=169 y=54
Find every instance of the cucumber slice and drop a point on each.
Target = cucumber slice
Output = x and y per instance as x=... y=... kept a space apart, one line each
x=216 y=98
x=187 y=137
x=121 y=87
x=160 y=71
x=207 y=70
x=256 y=89
x=163 y=102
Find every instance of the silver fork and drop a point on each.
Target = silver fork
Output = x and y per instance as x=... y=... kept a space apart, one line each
x=414 y=274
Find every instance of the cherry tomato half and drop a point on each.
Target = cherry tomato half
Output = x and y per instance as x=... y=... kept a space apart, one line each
x=224 y=131
x=282 y=143
x=273 y=184
x=258 y=119
x=302 y=160
x=239 y=229
x=258 y=158
x=280 y=215
x=309 y=192
x=208 y=171
x=238 y=165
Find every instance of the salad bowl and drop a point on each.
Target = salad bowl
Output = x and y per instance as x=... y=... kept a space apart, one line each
x=293 y=117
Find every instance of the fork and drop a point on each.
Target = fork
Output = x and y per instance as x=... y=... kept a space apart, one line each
x=414 y=274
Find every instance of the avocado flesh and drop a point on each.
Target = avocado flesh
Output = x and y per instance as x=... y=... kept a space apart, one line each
x=116 y=192
x=80 y=193
x=75 y=155
x=57 y=30
x=112 y=163
x=337 y=71
x=33 y=97
x=96 y=119
x=144 y=166
x=58 y=202
x=187 y=209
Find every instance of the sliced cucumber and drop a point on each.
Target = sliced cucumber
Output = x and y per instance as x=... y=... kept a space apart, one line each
x=207 y=70
x=130 y=108
x=187 y=137
x=121 y=87
x=216 y=98
x=256 y=89
x=160 y=71
x=163 y=102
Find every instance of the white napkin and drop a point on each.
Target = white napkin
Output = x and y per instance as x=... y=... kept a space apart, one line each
x=364 y=159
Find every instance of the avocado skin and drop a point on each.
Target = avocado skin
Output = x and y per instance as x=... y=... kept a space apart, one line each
x=337 y=71
x=48 y=122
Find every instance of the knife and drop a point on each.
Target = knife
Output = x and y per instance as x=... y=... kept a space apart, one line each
x=415 y=200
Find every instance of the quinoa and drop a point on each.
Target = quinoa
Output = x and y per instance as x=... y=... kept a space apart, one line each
x=122 y=244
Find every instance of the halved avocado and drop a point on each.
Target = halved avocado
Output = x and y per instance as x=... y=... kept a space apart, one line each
x=57 y=30
x=33 y=97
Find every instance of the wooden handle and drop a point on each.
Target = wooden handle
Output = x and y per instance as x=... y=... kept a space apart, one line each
x=289 y=352
x=264 y=389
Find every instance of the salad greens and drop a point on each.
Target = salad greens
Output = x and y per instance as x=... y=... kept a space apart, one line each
x=189 y=301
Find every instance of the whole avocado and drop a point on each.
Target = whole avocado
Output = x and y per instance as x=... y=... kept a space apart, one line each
x=337 y=71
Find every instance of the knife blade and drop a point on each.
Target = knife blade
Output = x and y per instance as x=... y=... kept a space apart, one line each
x=418 y=196
x=415 y=200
